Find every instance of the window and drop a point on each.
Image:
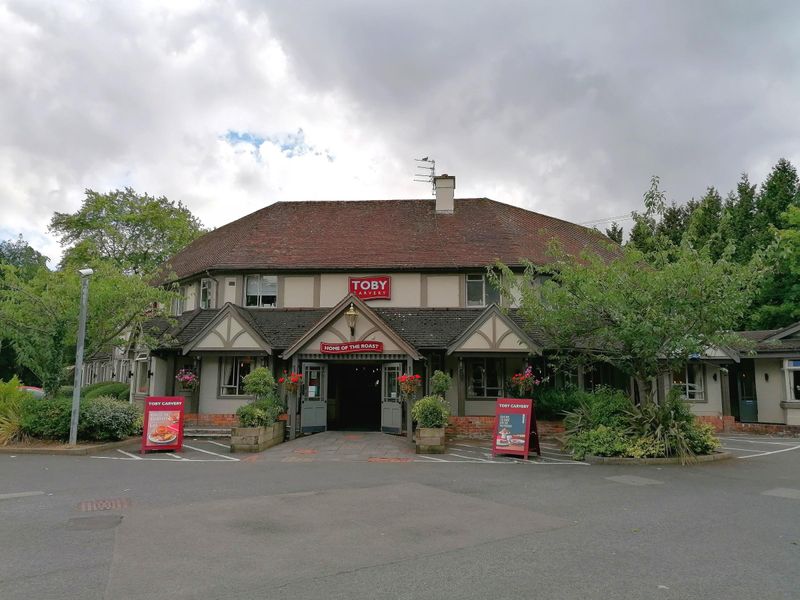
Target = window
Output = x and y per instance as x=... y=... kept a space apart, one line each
x=179 y=303
x=206 y=293
x=690 y=383
x=480 y=292
x=233 y=370
x=792 y=368
x=261 y=291
x=485 y=377
x=142 y=379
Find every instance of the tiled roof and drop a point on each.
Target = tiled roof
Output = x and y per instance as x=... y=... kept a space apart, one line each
x=383 y=235
x=423 y=328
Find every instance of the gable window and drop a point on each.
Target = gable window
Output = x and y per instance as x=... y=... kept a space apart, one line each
x=485 y=377
x=792 y=369
x=261 y=291
x=142 y=373
x=206 y=293
x=480 y=292
x=233 y=370
x=689 y=382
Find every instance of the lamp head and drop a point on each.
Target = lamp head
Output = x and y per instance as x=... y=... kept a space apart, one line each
x=86 y=272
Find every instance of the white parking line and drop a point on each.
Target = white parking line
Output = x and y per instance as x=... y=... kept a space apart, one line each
x=20 y=495
x=468 y=457
x=739 y=449
x=174 y=456
x=218 y=444
x=773 y=452
x=433 y=459
x=758 y=441
x=169 y=460
x=129 y=454
x=209 y=452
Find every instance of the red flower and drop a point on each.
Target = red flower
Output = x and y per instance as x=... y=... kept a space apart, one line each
x=281 y=379
x=417 y=376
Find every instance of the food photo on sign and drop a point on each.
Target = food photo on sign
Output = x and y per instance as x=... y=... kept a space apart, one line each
x=511 y=430
x=163 y=423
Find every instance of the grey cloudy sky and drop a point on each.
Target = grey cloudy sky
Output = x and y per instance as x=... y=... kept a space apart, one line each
x=566 y=108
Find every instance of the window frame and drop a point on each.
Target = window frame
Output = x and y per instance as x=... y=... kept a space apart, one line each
x=485 y=285
x=237 y=360
x=207 y=285
x=500 y=369
x=791 y=369
x=179 y=303
x=261 y=294
x=142 y=371
x=690 y=392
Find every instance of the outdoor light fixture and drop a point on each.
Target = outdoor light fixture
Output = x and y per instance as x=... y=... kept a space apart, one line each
x=352 y=316
x=85 y=273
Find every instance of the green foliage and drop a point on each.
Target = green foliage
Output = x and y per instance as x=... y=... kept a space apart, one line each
x=606 y=426
x=137 y=233
x=20 y=255
x=605 y=406
x=553 y=403
x=115 y=389
x=615 y=233
x=260 y=383
x=642 y=314
x=440 y=383
x=40 y=316
x=46 y=418
x=105 y=418
x=258 y=414
x=11 y=398
x=430 y=411
x=600 y=441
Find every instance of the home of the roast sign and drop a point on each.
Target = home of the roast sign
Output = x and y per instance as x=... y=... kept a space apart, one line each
x=371 y=288
x=350 y=347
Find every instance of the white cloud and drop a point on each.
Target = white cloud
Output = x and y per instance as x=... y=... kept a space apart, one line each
x=565 y=109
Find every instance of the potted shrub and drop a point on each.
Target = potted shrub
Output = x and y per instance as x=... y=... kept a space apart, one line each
x=259 y=427
x=430 y=413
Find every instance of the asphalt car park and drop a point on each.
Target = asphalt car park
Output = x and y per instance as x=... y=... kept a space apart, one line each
x=743 y=446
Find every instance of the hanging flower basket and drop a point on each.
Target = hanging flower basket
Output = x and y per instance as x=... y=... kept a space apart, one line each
x=187 y=379
x=291 y=381
x=409 y=384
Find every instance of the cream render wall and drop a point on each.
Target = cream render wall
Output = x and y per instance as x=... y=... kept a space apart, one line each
x=298 y=291
x=209 y=389
x=770 y=391
x=713 y=394
x=443 y=291
x=338 y=331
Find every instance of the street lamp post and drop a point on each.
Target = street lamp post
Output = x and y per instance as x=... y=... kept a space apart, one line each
x=76 y=390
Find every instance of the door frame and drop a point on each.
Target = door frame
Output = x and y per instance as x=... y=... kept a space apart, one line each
x=391 y=404
x=323 y=397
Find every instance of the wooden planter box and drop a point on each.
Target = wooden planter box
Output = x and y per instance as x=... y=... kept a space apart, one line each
x=256 y=439
x=430 y=440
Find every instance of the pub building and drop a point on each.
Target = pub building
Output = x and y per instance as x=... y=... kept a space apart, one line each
x=353 y=294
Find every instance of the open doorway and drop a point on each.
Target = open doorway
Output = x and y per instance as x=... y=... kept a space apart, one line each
x=354 y=396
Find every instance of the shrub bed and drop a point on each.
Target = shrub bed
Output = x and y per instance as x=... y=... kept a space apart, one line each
x=606 y=423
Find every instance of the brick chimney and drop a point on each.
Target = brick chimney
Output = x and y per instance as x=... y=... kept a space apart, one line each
x=445 y=186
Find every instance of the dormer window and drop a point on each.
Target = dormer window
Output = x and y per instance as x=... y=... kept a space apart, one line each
x=480 y=292
x=261 y=291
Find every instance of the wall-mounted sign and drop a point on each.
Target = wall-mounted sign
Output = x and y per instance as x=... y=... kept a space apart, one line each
x=163 y=423
x=514 y=426
x=350 y=347
x=371 y=288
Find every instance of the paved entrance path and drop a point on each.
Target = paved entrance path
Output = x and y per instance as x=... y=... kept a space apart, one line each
x=342 y=446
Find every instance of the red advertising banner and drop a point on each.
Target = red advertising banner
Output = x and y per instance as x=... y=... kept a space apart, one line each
x=163 y=423
x=350 y=347
x=371 y=288
x=513 y=426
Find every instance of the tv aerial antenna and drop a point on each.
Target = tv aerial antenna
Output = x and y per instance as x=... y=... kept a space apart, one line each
x=426 y=171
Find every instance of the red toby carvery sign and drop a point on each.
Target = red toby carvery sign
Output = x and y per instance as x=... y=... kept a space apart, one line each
x=163 y=423
x=371 y=288
x=350 y=347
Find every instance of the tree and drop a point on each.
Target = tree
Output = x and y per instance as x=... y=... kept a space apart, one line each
x=644 y=315
x=779 y=191
x=704 y=223
x=737 y=224
x=615 y=232
x=135 y=232
x=39 y=316
x=18 y=253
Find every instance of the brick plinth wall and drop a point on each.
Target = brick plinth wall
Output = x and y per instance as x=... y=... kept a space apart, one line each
x=483 y=427
x=729 y=424
x=210 y=420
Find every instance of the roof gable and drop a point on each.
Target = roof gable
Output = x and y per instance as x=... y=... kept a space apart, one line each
x=229 y=330
x=792 y=331
x=332 y=328
x=494 y=331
